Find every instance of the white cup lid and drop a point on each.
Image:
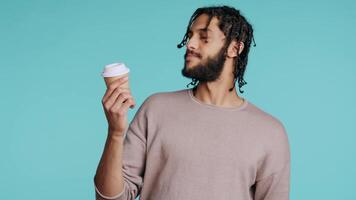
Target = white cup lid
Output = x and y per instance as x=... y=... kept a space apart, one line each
x=115 y=69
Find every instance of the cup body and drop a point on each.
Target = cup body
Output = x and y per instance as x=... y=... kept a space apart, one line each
x=115 y=71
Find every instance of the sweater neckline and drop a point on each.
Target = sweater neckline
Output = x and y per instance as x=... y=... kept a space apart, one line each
x=211 y=106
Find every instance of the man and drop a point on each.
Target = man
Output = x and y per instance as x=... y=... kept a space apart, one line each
x=201 y=143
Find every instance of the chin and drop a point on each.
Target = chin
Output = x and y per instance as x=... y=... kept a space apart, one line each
x=189 y=64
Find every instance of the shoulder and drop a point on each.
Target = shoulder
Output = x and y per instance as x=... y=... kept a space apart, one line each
x=272 y=138
x=164 y=97
x=265 y=120
x=161 y=100
x=270 y=130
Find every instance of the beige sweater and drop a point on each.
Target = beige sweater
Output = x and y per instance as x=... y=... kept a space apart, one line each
x=179 y=148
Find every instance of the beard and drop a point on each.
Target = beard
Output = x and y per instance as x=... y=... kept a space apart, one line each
x=207 y=71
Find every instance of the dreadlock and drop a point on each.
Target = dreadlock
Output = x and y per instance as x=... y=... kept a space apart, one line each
x=235 y=27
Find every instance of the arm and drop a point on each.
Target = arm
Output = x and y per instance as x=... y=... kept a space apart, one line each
x=121 y=170
x=108 y=179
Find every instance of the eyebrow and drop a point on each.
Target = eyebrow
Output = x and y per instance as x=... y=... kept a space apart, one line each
x=201 y=30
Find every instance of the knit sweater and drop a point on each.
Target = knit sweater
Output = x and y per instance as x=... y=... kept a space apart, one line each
x=179 y=148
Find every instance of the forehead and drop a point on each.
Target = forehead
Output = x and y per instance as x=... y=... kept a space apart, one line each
x=200 y=24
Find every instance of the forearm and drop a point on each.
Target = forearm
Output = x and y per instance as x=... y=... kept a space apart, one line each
x=108 y=178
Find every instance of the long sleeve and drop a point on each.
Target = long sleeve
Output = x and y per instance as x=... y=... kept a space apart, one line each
x=274 y=187
x=134 y=158
x=273 y=182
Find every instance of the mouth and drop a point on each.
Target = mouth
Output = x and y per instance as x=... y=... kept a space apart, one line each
x=190 y=56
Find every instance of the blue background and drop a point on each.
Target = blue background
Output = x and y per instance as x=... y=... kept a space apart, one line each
x=53 y=127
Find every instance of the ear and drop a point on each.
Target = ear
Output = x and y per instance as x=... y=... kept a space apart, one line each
x=235 y=49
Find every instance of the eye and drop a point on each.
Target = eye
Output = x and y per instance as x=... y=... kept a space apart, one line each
x=204 y=38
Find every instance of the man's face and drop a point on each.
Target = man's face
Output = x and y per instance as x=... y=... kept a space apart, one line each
x=205 y=56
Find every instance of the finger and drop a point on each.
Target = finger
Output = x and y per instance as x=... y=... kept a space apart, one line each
x=133 y=103
x=112 y=86
x=125 y=106
x=120 y=99
x=114 y=95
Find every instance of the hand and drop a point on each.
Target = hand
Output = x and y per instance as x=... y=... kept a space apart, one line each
x=116 y=102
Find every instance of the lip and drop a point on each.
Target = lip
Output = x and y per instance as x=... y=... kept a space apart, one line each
x=190 y=56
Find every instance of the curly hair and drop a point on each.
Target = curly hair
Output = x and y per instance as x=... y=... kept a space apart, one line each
x=235 y=27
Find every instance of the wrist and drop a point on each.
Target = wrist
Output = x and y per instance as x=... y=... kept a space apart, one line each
x=116 y=134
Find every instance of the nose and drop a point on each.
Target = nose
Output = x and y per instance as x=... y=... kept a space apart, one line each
x=192 y=44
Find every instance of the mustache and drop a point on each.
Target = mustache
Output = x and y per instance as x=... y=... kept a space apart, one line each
x=191 y=53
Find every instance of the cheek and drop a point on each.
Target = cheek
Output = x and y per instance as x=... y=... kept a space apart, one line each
x=211 y=50
x=206 y=55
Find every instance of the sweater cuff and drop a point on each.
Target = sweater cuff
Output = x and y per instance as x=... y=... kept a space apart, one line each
x=103 y=197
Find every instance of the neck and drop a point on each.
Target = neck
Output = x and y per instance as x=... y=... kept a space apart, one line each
x=217 y=93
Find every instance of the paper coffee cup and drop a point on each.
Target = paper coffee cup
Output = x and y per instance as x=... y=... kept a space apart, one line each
x=114 y=71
